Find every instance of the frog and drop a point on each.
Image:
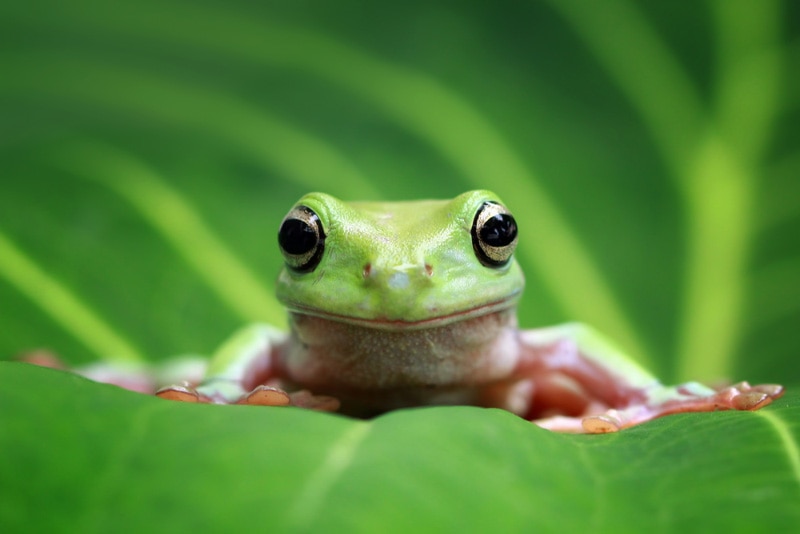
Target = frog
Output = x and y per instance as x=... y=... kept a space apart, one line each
x=395 y=305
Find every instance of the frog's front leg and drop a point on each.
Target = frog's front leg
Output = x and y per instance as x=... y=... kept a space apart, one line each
x=581 y=383
x=244 y=371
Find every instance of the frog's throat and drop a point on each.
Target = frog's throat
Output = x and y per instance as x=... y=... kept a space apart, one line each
x=396 y=324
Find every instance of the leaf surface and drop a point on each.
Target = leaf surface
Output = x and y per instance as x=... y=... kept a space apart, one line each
x=103 y=458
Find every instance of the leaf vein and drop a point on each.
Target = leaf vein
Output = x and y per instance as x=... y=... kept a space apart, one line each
x=64 y=307
x=788 y=440
x=176 y=220
x=583 y=292
x=339 y=458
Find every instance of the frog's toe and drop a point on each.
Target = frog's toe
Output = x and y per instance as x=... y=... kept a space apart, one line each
x=266 y=396
x=751 y=400
x=743 y=396
x=774 y=391
x=181 y=393
x=602 y=423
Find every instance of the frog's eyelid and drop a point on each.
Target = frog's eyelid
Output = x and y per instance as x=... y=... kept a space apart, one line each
x=494 y=234
x=301 y=238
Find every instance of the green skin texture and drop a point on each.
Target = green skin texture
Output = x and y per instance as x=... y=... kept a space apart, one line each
x=401 y=312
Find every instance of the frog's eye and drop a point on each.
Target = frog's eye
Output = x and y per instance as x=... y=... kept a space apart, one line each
x=301 y=239
x=494 y=234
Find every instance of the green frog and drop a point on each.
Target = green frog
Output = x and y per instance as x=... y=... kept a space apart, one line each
x=401 y=304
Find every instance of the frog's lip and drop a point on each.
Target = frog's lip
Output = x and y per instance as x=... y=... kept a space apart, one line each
x=387 y=323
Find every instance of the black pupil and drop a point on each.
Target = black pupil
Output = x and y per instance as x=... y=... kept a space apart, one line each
x=297 y=237
x=499 y=231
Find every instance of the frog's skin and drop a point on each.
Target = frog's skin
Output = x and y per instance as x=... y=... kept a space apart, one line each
x=393 y=305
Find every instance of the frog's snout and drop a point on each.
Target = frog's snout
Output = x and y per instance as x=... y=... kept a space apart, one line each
x=397 y=277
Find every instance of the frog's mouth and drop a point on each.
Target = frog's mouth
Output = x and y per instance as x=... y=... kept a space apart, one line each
x=385 y=322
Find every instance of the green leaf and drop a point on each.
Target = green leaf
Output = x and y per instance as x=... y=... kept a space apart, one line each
x=134 y=132
x=149 y=150
x=99 y=458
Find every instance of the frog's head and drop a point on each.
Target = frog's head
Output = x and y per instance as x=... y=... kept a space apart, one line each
x=399 y=264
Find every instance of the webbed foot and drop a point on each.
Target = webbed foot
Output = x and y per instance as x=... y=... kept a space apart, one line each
x=661 y=401
x=223 y=392
x=743 y=396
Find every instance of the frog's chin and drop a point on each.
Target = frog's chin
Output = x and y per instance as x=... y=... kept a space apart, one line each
x=382 y=322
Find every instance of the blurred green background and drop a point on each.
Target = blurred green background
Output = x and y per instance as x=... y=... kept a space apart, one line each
x=649 y=151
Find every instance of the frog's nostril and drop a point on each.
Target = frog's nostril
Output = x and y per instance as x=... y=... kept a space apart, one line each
x=367 y=272
x=428 y=269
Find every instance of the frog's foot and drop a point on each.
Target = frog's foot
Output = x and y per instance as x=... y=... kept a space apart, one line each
x=213 y=391
x=663 y=401
x=693 y=397
x=225 y=392
x=743 y=396
x=232 y=394
x=260 y=396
